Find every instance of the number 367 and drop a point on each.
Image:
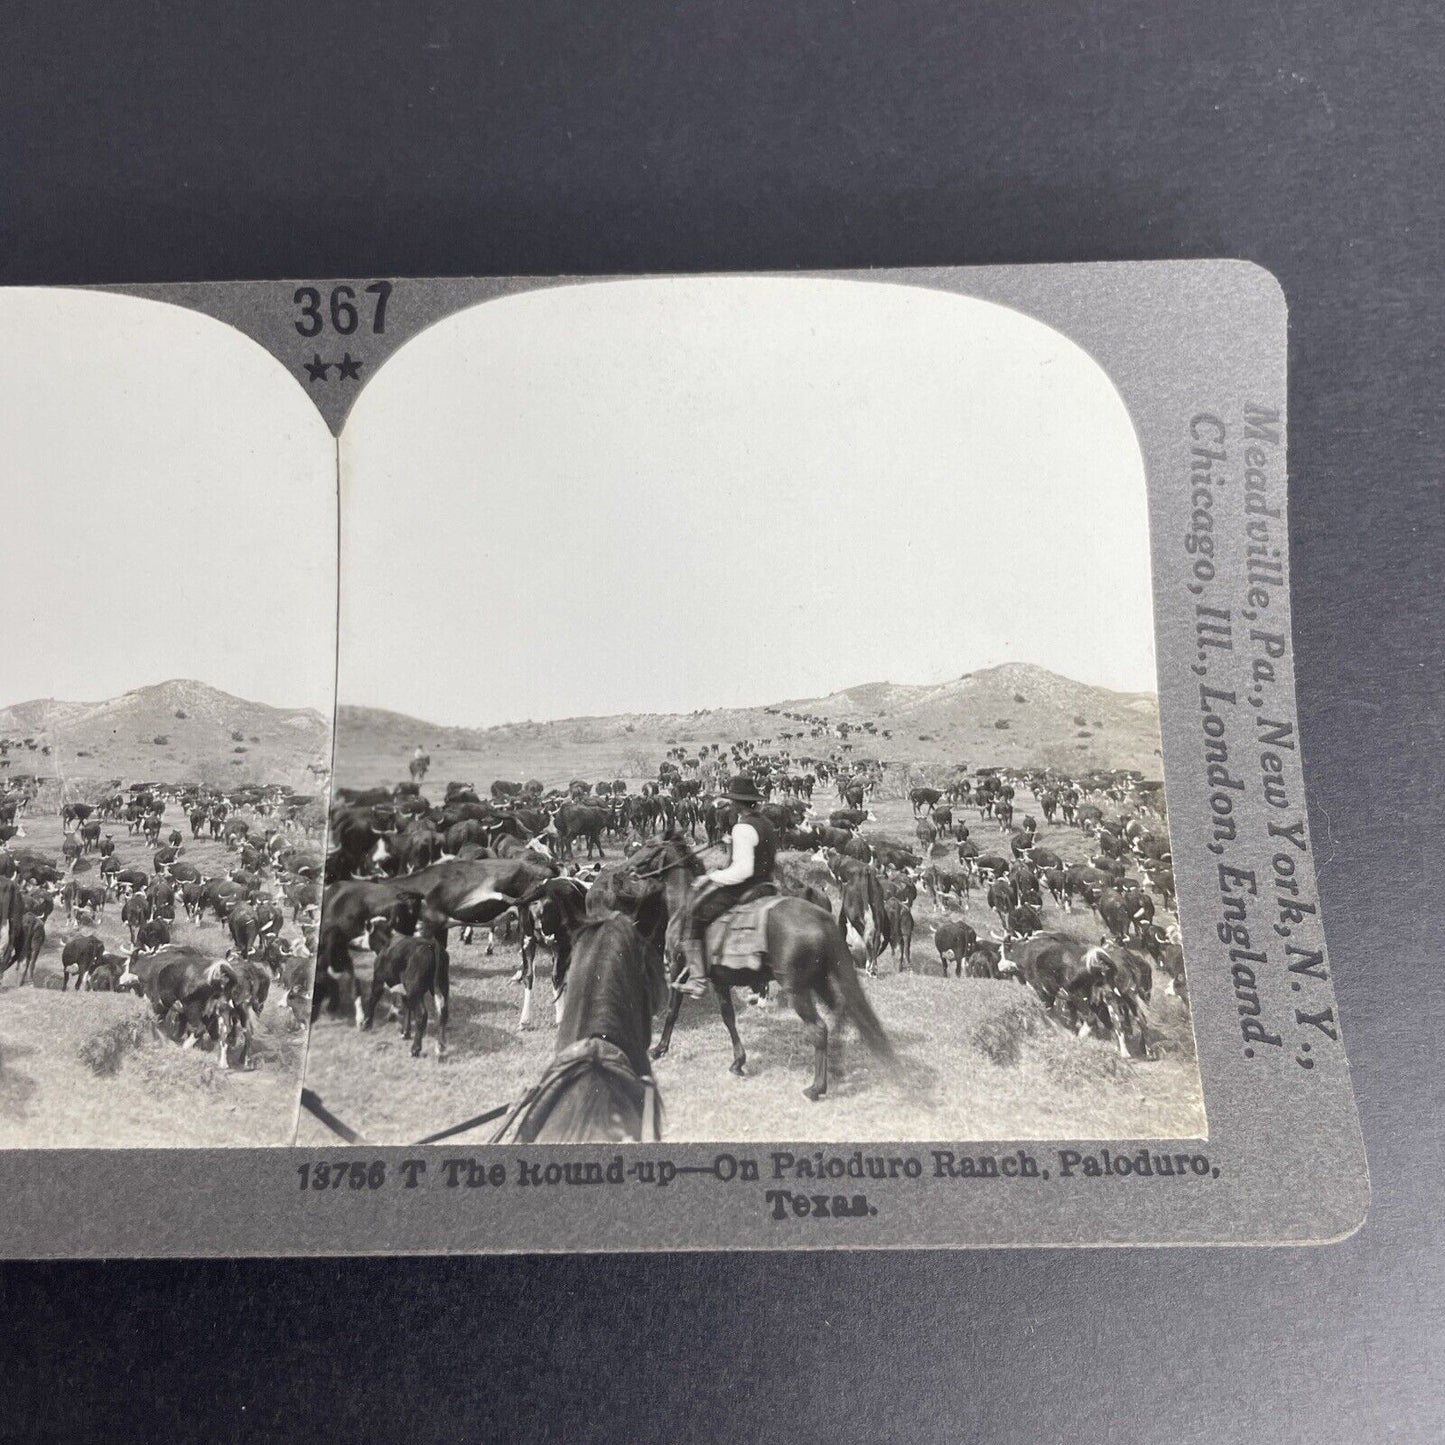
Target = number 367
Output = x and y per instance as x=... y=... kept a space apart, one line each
x=342 y=309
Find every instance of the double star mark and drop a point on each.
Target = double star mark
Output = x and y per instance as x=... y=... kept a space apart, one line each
x=347 y=369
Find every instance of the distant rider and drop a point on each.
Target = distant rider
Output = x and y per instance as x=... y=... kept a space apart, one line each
x=753 y=853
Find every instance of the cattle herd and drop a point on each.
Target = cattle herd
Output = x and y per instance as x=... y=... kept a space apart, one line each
x=1083 y=920
x=215 y=895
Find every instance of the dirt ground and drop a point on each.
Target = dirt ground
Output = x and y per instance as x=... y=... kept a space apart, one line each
x=86 y=1070
x=980 y=1059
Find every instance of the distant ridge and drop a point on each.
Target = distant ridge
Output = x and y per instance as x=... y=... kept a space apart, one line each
x=1048 y=720
x=117 y=737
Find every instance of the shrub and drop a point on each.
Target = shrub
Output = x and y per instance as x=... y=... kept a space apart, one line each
x=1083 y=733
x=237 y=737
x=240 y=750
x=181 y=712
x=999 y=1037
x=161 y=740
x=1019 y=697
x=1081 y=721
x=1001 y=724
x=103 y=1052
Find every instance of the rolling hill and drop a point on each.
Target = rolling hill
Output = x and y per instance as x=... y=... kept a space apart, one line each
x=1012 y=715
x=117 y=738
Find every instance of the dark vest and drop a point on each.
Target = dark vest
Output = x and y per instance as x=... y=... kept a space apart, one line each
x=765 y=855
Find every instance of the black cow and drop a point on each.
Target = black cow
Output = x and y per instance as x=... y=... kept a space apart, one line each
x=32 y=940
x=135 y=911
x=983 y=960
x=1023 y=921
x=195 y=998
x=923 y=798
x=73 y=814
x=356 y=842
x=1167 y=951
x=1087 y=989
x=418 y=848
x=954 y=942
x=576 y=820
x=893 y=855
x=245 y=928
x=12 y=921
x=900 y=931
x=453 y=891
x=417 y=970
x=296 y=980
x=81 y=953
x=152 y=936
x=1002 y=898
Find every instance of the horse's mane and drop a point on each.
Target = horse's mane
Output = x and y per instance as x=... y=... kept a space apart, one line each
x=616 y=982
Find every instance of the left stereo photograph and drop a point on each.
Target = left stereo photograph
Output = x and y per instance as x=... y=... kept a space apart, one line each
x=165 y=726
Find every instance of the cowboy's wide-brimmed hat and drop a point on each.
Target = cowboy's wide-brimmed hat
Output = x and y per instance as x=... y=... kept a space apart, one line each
x=742 y=789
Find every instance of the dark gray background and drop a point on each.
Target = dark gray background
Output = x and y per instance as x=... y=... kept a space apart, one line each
x=271 y=140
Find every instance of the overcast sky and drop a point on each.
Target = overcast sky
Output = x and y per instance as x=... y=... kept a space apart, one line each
x=170 y=506
x=662 y=495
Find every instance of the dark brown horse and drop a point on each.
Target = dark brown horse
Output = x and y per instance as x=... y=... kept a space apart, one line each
x=598 y=1087
x=805 y=953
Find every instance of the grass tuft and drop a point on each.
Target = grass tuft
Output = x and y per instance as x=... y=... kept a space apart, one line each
x=106 y=1049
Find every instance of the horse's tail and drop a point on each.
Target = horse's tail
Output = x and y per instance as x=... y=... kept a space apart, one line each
x=851 y=1002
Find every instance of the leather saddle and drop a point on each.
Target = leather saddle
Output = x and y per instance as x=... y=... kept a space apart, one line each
x=739 y=939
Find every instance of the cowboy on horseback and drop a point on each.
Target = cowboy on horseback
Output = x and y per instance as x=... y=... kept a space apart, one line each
x=752 y=855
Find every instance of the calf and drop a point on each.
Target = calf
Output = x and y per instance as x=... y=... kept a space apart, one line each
x=900 y=931
x=416 y=970
x=983 y=960
x=954 y=942
x=1166 y=949
x=81 y=954
x=32 y=940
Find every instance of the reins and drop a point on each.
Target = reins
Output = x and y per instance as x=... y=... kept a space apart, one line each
x=311 y=1102
x=676 y=863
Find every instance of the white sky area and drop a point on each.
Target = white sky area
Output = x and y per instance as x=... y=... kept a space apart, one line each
x=661 y=495
x=170 y=498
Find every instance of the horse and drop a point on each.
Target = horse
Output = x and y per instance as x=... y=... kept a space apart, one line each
x=598 y=1087
x=418 y=766
x=805 y=953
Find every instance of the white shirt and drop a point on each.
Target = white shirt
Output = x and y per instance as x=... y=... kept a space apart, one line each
x=740 y=868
